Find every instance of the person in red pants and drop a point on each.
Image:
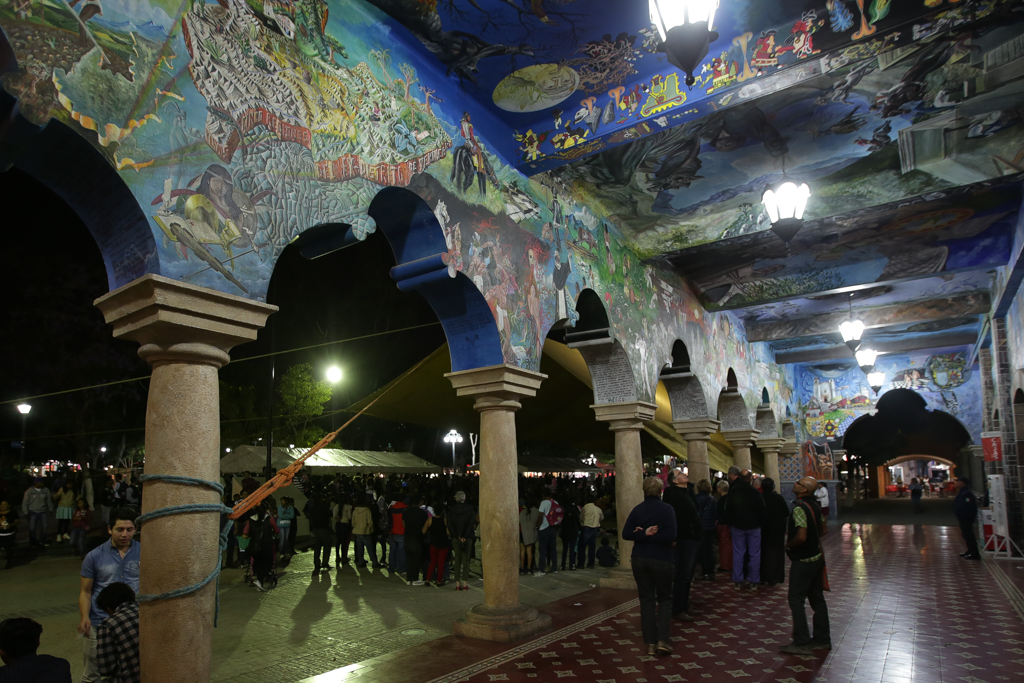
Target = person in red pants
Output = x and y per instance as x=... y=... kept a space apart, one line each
x=436 y=531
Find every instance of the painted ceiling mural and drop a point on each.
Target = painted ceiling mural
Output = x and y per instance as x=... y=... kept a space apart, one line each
x=919 y=119
x=239 y=124
x=961 y=229
x=832 y=395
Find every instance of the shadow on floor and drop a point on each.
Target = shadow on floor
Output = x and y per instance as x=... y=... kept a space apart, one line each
x=934 y=512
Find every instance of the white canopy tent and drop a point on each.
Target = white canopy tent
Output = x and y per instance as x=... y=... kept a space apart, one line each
x=326 y=461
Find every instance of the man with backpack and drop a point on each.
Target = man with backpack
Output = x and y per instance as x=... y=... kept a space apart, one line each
x=807 y=573
x=548 y=525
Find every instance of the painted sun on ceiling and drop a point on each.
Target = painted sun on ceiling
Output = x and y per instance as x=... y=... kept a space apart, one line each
x=940 y=113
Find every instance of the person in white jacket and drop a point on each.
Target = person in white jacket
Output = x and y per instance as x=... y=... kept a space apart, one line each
x=822 y=496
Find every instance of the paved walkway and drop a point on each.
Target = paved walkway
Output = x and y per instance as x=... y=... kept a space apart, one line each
x=904 y=607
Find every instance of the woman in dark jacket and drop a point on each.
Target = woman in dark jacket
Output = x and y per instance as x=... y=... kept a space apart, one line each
x=651 y=526
x=724 y=534
x=773 y=535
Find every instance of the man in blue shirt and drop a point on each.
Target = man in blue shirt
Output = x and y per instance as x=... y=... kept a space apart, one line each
x=117 y=561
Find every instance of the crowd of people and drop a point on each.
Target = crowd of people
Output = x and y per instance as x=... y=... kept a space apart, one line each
x=673 y=531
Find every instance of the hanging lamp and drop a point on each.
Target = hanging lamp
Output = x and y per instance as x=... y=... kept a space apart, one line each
x=685 y=30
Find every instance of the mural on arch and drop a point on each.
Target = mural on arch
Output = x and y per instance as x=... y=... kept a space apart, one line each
x=239 y=124
x=832 y=395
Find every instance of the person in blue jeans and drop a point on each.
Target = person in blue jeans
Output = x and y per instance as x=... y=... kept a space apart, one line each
x=285 y=519
x=36 y=505
x=547 y=535
x=590 y=526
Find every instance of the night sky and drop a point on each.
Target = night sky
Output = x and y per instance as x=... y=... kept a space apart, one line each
x=55 y=339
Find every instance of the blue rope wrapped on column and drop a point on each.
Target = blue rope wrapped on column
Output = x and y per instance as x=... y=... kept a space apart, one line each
x=186 y=509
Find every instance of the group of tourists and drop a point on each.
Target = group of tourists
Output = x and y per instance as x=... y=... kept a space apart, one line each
x=671 y=535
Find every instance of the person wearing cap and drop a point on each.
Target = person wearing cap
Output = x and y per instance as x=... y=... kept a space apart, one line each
x=807 y=572
x=965 y=507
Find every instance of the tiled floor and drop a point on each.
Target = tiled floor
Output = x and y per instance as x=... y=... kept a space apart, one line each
x=903 y=606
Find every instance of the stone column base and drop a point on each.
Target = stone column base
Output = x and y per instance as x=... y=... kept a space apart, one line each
x=619 y=577
x=502 y=624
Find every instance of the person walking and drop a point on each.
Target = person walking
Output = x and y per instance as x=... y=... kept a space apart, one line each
x=708 y=511
x=19 y=643
x=745 y=513
x=724 y=536
x=773 y=534
x=916 y=491
x=807 y=571
x=461 y=520
x=548 y=525
x=414 y=519
x=688 y=534
x=362 y=529
x=64 y=497
x=117 y=638
x=318 y=511
x=436 y=531
x=36 y=505
x=965 y=507
x=651 y=526
x=570 y=531
x=821 y=495
x=590 y=526
x=342 y=530
x=81 y=521
x=116 y=561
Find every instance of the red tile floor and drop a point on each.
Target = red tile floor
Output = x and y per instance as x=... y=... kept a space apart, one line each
x=903 y=607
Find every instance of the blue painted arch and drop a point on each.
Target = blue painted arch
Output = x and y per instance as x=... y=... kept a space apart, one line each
x=420 y=250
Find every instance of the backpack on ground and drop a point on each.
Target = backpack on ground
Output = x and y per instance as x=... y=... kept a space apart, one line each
x=556 y=514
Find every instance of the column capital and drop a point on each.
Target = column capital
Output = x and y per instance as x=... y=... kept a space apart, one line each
x=496 y=387
x=178 y=322
x=978 y=451
x=789 y=449
x=771 y=444
x=699 y=429
x=741 y=437
x=630 y=415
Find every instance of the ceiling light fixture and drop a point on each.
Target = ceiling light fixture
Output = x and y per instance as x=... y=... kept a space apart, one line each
x=785 y=202
x=866 y=359
x=851 y=329
x=685 y=30
x=876 y=379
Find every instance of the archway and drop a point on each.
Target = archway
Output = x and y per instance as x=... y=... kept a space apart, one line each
x=737 y=426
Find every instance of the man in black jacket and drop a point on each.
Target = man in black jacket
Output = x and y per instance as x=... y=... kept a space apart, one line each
x=688 y=533
x=745 y=514
x=461 y=520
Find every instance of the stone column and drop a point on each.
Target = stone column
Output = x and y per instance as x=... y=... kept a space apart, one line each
x=186 y=333
x=626 y=420
x=977 y=469
x=742 y=441
x=696 y=434
x=771 y=446
x=497 y=390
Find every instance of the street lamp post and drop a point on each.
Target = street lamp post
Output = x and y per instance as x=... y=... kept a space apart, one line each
x=24 y=409
x=453 y=437
x=333 y=376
